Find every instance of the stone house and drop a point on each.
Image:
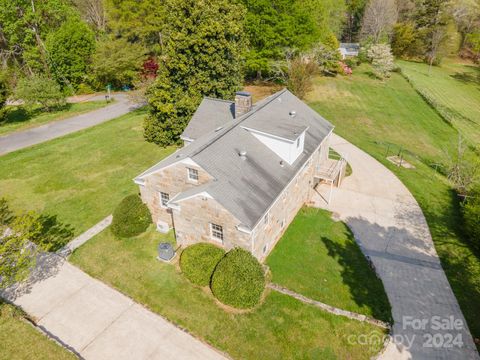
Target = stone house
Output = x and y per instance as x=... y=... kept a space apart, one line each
x=243 y=174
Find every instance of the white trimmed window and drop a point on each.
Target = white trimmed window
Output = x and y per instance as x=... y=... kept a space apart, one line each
x=216 y=232
x=192 y=174
x=164 y=198
x=298 y=142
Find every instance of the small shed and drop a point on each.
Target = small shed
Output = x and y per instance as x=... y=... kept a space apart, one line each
x=349 y=50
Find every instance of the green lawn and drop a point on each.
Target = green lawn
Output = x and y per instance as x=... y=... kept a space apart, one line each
x=21 y=118
x=454 y=88
x=280 y=328
x=377 y=115
x=80 y=177
x=20 y=341
x=319 y=258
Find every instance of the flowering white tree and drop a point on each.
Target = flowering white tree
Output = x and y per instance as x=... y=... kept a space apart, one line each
x=382 y=60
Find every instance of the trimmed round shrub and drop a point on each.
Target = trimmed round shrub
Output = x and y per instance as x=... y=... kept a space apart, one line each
x=131 y=217
x=238 y=279
x=198 y=262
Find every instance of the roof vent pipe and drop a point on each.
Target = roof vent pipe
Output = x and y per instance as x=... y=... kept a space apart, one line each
x=243 y=155
x=293 y=113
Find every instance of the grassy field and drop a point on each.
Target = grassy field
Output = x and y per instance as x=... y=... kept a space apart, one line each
x=379 y=116
x=320 y=259
x=20 y=118
x=20 y=341
x=80 y=177
x=280 y=328
x=454 y=89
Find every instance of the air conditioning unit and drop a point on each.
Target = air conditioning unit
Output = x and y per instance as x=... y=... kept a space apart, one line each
x=165 y=252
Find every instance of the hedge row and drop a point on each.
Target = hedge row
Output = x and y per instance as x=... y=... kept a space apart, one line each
x=236 y=279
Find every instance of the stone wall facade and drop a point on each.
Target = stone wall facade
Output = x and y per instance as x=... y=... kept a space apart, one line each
x=271 y=228
x=194 y=215
x=192 y=224
x=171 y=180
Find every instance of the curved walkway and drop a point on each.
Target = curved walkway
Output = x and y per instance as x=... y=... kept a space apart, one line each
x=22 y=139
x=391 y=229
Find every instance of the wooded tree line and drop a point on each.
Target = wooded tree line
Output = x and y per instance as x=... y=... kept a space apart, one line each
x=424 y=29
x=208 y=47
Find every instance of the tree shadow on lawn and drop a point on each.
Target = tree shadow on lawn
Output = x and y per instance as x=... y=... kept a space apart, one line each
x=467 y=77
x=19 y=114
x=358 y=274
x=54 y=234
x=460 y=259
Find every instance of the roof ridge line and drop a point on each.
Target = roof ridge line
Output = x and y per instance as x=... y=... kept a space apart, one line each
x=235 y=123
x=220 y=100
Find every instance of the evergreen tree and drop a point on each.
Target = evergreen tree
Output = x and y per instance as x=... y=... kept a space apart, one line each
x=203 y=57
x=432 y=17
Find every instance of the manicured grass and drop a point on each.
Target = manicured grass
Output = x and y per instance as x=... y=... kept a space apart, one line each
x=319 y=258
x=19 y=340
x=454 y=88
x=83 y=176
x=280 y=328
x=374 y=115
x=21 y=118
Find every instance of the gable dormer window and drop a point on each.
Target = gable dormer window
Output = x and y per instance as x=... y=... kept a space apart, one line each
x=192 y=174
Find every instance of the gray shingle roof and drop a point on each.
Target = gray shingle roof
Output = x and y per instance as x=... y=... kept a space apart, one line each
x=247 y=188
x=210 y=114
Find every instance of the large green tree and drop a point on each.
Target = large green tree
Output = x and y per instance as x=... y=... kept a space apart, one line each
x=116 y=62
x=432 y=18
x=69 y=51
x=353 y=21
x=203 y=57
x=139 y=22
x=273 y=26
x=24 y=26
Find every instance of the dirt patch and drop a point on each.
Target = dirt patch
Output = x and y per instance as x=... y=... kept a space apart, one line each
x=262 y=90
x=399 y=161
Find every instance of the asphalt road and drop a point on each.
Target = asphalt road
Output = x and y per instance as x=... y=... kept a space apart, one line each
x=22 y=139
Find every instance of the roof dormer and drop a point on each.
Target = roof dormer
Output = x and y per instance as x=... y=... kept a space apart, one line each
x=289 y=149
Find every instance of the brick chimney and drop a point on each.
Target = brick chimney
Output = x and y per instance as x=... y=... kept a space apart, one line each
x=243 y=103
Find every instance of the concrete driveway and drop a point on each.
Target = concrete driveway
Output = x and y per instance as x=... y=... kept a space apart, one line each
x=22 y=139
x=391 y=229
x=96 y=321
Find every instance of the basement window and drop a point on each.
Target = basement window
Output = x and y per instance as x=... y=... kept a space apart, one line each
x=216 y=232
x=164 y=198
x=192 y=174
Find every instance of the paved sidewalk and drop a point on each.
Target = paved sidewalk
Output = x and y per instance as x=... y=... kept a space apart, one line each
x=84 y=237
x=391 y=229
x=96 y=321
x=22 y=139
